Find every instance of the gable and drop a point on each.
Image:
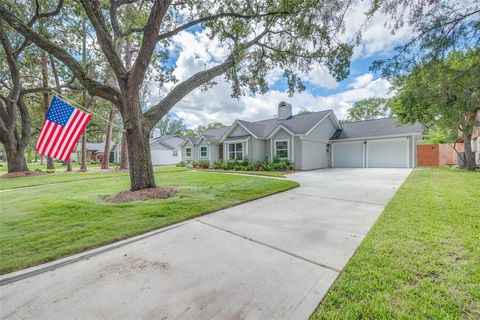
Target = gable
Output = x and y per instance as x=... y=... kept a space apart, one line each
x=238 y=131
x=323 y=131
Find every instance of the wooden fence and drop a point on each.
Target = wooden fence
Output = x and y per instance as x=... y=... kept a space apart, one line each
x=431 y=155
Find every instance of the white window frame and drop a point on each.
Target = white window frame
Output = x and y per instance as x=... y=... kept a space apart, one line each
x=174 y=153
x=275 y=148
x=186 y=155
x=200 y=152
x=235 y=151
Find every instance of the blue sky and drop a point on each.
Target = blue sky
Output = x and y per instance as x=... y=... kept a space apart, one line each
x=194 y=51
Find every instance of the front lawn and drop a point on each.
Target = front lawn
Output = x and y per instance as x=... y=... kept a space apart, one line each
x=421 y=260
x=57 y=218
x=276 y=174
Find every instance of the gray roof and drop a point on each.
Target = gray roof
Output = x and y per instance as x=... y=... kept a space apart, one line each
x=375 y=128
x=236 y=138
x=214 y=133
x=164 y=140
x=298 y=124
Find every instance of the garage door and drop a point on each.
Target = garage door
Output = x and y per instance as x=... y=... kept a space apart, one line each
x=387 y=153
x=164 y=157
x=347 y=154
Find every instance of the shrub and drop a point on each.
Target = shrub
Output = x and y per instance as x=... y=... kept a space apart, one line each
x=218 y=165
x=200 y=164
x=181 y=164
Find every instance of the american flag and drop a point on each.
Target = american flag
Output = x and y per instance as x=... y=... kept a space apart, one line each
x=61 y=129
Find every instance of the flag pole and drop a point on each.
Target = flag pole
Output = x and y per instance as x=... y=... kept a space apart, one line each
x=85 y=109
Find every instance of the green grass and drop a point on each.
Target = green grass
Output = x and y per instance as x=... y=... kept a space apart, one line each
x=59 y=167
x=276 y=174
x=40 y=224
x=62 y=177
x=421 y=260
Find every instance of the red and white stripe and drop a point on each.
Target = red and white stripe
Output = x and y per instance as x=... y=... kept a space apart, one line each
x=58 y=141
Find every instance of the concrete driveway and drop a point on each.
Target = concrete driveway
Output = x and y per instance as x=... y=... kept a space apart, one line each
x=272 y=258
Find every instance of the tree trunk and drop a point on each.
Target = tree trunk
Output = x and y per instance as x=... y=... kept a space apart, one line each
x=16 y=161
x=83 y=157
x=44 y=62
x=124 y=153
x=138 y=140
x=469 y=154
x=124 y=163
x=69 y=165
x=108 y=138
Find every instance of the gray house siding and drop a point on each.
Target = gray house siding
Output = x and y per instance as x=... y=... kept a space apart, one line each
x=159 y=146
x=194 y=152
x=322 y=132
x=257 y=149
x=315 y=153
x=214 y=149
x=238 y=131
x=298 y=154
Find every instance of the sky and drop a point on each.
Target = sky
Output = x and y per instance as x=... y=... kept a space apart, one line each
x=194 y=51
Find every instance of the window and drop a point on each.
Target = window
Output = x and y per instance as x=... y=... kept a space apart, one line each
x=281 y=149
x=203 y=152
x=188 y=152
x=235 y=151
x=175 y=153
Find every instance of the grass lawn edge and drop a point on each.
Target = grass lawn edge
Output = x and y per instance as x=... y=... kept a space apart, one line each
x=358 y=247
x=14 y=275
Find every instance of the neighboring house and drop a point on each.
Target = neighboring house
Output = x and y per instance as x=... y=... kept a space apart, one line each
x=311 y=141
x=476 y=140
x=166 y=150
x=94 y=152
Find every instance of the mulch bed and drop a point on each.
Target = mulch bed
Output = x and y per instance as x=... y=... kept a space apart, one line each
x=145 y=194
x=21 y=174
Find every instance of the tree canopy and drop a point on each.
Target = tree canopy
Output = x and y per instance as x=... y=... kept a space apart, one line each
x=443 y=92
x=370 y=108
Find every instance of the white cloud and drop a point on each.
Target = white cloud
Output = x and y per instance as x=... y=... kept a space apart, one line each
x=201 y=107
x=198 y=52
x=320 y=77
x=376 y=38
x=361 y=81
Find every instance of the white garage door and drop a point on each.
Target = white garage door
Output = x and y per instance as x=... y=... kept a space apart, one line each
x=347 y=154
x=164 y=157
x=388 y=153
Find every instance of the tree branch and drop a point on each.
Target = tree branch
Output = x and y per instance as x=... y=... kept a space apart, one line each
x=94 y=13
x=192 y=23
x=94 y=87
x=154 y=114
x=149 y=42
x=35 y=17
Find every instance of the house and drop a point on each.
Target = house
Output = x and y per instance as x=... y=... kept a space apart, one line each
x=311 y=141
x=94 y=152
x=166 y=149
x=476 y=139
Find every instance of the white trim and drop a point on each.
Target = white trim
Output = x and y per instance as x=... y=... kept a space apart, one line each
x=185 y=141
x=364 y=144
x=233 y=127
x=235 y=142
x=191 y=152
x=278 y=128
x=414 y=158
x=200 y=139
x=288 y=148
x=200 y=152
x=365 y=165
x=375 y=138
